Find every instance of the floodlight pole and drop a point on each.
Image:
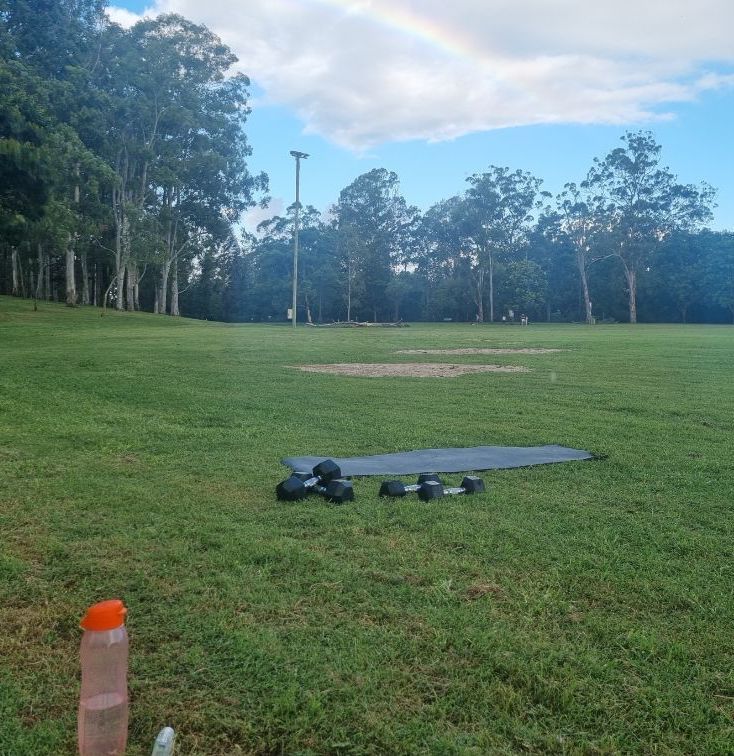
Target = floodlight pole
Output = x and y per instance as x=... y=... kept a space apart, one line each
x=297 y=155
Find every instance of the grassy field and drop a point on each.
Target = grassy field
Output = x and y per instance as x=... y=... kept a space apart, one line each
x=577 y=608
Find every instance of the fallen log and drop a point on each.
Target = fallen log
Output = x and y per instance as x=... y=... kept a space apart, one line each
x=358 y=324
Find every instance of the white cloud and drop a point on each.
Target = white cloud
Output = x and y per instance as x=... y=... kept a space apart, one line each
x=124 y=17
x=256 y=215
x=363 y=72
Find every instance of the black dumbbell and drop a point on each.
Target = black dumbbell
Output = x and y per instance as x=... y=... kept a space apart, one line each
x=298 y=485
x=432 y=490
x=398 y=488
x=337 y=491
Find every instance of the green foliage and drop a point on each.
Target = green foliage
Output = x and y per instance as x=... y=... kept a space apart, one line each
x=376 y=225
x=24 y=120
x=719 y=269
x=525 y=286
x=640 y=204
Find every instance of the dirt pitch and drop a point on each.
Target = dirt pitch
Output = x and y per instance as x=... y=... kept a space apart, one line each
x=409 y=369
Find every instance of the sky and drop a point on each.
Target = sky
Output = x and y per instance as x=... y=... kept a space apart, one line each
x=437 y=91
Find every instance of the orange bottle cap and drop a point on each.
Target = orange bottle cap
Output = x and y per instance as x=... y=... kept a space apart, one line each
x=106 y=615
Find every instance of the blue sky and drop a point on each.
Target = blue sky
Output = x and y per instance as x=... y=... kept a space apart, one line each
x=390 y=89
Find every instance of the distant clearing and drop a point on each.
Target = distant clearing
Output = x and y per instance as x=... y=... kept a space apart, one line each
x=410 y=369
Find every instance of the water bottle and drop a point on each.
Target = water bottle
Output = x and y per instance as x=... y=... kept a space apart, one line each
x=103 y=706
x=164 y=743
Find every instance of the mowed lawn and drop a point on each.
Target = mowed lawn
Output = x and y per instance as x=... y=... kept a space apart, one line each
x=579 y=608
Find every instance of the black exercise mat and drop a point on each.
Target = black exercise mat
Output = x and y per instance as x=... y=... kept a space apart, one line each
x=446 y=460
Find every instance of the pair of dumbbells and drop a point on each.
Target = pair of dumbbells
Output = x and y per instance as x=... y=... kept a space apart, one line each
x=430 y=486
x=325 y=479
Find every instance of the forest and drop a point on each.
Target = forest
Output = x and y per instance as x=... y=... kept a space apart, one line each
x=124 y=179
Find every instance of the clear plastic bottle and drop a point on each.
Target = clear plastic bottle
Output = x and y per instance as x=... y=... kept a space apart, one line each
x=164 y=743
x=103 y=707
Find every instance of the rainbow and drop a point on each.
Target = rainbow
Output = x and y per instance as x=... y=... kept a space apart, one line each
x=409 y=22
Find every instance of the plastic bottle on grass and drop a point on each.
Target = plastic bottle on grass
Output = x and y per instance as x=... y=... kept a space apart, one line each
x=103 y=707
x=164 y=743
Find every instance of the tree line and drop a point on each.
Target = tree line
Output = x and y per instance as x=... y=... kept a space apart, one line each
x=123 y=180
x=123 y=154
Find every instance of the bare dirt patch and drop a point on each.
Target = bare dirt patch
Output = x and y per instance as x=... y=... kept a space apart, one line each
x=502 y=350
x=409 y=369
x=477 y=590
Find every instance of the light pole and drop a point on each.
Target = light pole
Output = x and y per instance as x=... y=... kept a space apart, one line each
x=297 y=155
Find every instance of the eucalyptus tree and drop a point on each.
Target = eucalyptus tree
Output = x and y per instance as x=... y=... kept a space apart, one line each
x=641 y=203
x=23 y=131
x=200 y=178
x=48 y=50
x=578 y=222
x=376 y=229
x=553 y=252
x=177 y=144
x=497 y=218
x=24 y=173
x=446 y=260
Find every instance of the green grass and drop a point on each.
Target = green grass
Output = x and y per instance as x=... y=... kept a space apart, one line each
x=575 y=608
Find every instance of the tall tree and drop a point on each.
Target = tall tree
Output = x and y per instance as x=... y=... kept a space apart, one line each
x=642 y=204
x=498 y=215
x=372 y=212
x=446 y=260
x=578 y=223
x=179 y=147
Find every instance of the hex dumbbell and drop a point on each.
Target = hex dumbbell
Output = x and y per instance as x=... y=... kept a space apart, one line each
x=298 y=485
x=398 y=488
x=430 y=490
x=336 y=491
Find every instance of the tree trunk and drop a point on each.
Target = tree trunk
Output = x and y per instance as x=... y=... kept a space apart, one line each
x=71 y=293
x=491 y=288
x=21 y=276
x=39 y=280
x=85 y=278
x=136 y=289
x=631 y=276
x=581 y=262
x=70 y=277
x=308 y=311
x=122 y=248
x=132 y=270
x=163 y=288
x=349 y=296
x=479 y=294
x=174 y=290
x=171 y=196
x=155 y=300
x=48 y=277
x=95 y=286
x=16 y=278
